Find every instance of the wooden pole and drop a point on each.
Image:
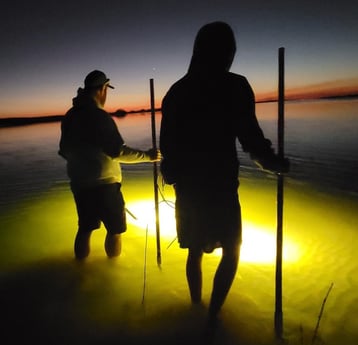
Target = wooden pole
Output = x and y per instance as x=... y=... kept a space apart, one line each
x=155 y=172
x=280 y=183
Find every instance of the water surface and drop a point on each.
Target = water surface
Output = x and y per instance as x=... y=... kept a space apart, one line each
x=53 y=300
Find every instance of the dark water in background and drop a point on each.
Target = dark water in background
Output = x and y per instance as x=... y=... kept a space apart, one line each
x=321 y=140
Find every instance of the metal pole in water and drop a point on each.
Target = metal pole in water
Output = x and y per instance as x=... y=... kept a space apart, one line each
x=155 y=172
x=280 y=182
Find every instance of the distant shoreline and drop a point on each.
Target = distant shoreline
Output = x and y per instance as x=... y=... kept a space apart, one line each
x=22 y=121
x=293 y=99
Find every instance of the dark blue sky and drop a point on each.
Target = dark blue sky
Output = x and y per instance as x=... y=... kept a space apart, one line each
x=47 y=47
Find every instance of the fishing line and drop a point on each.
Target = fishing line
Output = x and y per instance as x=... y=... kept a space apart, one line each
x=170 y=204
x=131 y=214
x=169 y=245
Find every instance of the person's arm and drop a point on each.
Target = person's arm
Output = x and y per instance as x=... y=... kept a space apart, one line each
x=168 y=143
x=131 y=155
x=113 y=145
x=252 y=138
x=65 y=143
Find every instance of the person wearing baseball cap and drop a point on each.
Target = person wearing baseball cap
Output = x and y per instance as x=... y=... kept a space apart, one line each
x=93 y=149
x=95 y=79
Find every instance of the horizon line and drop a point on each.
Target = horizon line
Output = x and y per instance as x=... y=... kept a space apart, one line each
x=24 y=120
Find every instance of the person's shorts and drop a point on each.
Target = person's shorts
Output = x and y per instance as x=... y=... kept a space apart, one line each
x=102 y=203
x=207 y=216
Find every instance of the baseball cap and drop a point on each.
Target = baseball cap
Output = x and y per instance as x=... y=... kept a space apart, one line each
x=95 y=79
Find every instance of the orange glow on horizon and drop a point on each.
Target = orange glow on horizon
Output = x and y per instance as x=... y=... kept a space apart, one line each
x=337 y=88
x=136 y=103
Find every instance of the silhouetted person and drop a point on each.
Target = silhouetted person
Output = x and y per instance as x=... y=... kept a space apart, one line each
x=93 y=148
x=204 y=113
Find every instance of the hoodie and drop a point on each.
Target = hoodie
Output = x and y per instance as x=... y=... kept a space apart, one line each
x=92 y=145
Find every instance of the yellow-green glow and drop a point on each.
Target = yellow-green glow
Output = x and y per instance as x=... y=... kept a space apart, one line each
x=259 y=243
x=144 y=211
x=106 y=295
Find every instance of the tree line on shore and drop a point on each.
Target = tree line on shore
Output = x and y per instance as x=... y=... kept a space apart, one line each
x=21 y=121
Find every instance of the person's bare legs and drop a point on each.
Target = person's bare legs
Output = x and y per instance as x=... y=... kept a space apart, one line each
x=223 y=279
x=194 y=274
x=82 y=244
x=113 y=245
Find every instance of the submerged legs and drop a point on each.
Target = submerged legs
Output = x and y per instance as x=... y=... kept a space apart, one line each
x=82 y=244
x=223 y=279
x=112 y=244
x=194 y=274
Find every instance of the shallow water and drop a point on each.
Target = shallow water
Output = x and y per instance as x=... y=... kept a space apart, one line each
x=56 y=300
x=49 y=298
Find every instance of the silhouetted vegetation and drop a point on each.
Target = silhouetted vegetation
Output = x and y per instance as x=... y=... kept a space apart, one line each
x=23 y=121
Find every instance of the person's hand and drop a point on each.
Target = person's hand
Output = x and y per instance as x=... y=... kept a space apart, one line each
x=283 y=166
x=154 y=155
x=274 y=164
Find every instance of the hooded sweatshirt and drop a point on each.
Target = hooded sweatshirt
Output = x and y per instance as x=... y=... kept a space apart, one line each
x=206 y=111
x=92 y=145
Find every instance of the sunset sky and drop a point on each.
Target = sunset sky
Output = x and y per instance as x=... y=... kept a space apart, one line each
x=48 y=47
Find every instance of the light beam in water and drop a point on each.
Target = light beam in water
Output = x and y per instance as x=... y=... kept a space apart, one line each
x=259 y=243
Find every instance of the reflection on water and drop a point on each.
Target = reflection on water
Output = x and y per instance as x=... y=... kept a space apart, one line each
x=321 y=139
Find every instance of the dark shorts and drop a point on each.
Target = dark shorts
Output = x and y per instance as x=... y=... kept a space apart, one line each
x=208 y=217
x=102 y=203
